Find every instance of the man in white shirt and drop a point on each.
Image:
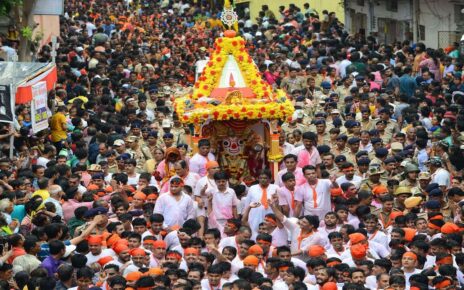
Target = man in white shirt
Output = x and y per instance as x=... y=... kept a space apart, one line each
x=182 y=170
x=371 y=223
x=348 y=169
x=302 y=233
x=313 y=197
x=439 y=175
x=96 y=251
x=409 y=263
x=259 y=194
x=198 y=162
x=175 y=205
x=204 y=188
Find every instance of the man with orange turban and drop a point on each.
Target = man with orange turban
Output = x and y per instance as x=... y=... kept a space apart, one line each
x=317 y=252
x=122 y=251
x=191 y=255
x=159 y=251
x=358 y=254
x=96 y=251
x=251 y=262
x=204 y=188
x=139 y=260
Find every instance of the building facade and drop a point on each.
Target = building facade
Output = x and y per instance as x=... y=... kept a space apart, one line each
x=437 y=23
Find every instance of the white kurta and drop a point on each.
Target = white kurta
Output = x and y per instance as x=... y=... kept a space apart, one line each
x=304 y=193
x=175 y=212
x=257 y=214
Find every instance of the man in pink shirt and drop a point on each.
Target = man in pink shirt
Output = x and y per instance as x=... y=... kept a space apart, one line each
x=309 y=154
x=197 y=163
x=290 y=162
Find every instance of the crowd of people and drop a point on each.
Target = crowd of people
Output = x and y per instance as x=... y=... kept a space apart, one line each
x=370 y=189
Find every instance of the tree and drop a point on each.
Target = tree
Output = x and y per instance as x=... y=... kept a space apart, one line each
x=21 y=12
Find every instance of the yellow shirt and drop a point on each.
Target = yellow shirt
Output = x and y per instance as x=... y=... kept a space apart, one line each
x=43 y=193
x=56 y=126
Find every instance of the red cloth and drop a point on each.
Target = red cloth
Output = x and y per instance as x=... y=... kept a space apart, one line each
x=16 y=252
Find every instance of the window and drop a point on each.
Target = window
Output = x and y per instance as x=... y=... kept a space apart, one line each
x=422 y=32
x=392 y=5
x=360 y=2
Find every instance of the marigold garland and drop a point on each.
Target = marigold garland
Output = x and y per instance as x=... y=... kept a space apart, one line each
x=269 y=103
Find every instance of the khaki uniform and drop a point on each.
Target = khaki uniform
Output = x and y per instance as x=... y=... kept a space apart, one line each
x=79 y=230
x=334 y=172
x=383 y=216
x=179 y=135
x=323 y=139
x=367 y=125
x=291 y=84
x=408 y=183
x=447 y=213
x=113 y=168
x=368 y=185
x=351 y=157
x=343 y=92
x=141 y=155
x=289 y=129
x=337 y=151
x=417 y=190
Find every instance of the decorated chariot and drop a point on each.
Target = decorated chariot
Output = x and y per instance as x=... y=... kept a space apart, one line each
x=232 y=105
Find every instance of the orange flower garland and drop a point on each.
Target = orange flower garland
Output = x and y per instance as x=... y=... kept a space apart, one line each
x=268 y=103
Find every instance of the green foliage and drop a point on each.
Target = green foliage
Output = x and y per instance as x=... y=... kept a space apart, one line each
x=7 y=5
x=26 y=32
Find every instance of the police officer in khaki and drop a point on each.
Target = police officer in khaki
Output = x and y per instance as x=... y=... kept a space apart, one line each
x=401 y=194
x=411 y=172
x=374 y=172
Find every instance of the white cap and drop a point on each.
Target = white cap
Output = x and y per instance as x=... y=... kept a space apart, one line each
x=166 y=123
x=118 y=142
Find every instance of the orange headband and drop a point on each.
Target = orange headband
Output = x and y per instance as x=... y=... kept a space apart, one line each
x=251 y=260
x=231 y=225
x=435 y=227
x=152 y=242
x=140 y=195
x=284 y=268
x=445 y=260
x=119 y=248
x=348 y=168
x=271 y=220
x=410 y=255
x=152 y=196
x=95 y=240
x=191 y=251
x=176 y=256
x=255 y=250
x=443 y=284
x=334 y=263
x=263 y=242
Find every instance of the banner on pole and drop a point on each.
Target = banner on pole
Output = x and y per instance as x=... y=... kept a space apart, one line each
x=39 y=107
x=6 y=111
